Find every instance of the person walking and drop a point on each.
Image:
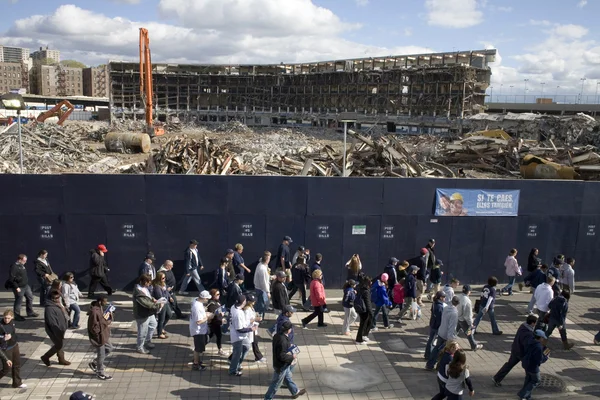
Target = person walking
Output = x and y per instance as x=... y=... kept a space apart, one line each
x=18 y=281
x=262 y=284
x=199 y=319
x=71 y=295
x=410 y=291
x=488 y=302
x=512 y=270
x=364 y=308
x=533 y=260
x=446 y=331
x=421 y=263
x=234 y=290
x=391 y=269
x=317 y=300
x=379 y=295
x=240 y=327
x=444 y=360
x=283 y=261
x=221 y=281
x=435 y=278
x=286 y=315
x=568 y=275
x=45 y=275
x=145 y=308
x=458 y=377
x=465 y=317
x=147 y=266
x=253 y=335
x=55 y=323
x=536 y=354
x=214 y=307
x=279 y=294
x=449 y=289
x=283 y=362
x=517 y=350
x=350 y=315
x=238 y=261
x=160 y=291
x=300 y=277
x=171 y=281
x=533 y=280
x=193 y=266
x=99 y=320
x=11 y=364
x=558 y=309
x=434 y=321
x=354 y=266
x=98 y=271
x=543 y=295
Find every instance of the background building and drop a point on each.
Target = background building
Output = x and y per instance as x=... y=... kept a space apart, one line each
x=95 y=81
x=56 y=80
x=13 y=54
x=12 y=76
x=46 y=53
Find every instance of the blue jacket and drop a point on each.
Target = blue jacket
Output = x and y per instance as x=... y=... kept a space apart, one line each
x=349 y=297
x=535 y=278
x=410 y=288
x=559 y=307
x=436 y=315
x=444 y=361
x=523 y=336
x=534 y=357
x=221 y=281
x=190 y=260
x=553 y=271
x=380 y=295
x=280 y=320
x=436 y=275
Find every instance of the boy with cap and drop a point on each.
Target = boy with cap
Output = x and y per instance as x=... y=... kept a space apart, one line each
x=279 y=296
x=285 y=315
x=284 y=359
x=199 y=328
x=536 y=354
x=240 y=327
x=465 y=317
x=234 y=291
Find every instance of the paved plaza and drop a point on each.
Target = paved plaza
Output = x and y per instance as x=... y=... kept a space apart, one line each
x=331 y=366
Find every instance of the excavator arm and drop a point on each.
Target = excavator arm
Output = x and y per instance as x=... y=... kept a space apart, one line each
x=146 y=90
x=62 y=110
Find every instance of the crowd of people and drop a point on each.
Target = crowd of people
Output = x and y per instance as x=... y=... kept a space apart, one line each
x=225 y=307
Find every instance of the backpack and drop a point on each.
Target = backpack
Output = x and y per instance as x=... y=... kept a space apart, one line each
x=359 y=305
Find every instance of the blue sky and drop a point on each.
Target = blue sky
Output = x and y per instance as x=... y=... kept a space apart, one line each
x=549 y=41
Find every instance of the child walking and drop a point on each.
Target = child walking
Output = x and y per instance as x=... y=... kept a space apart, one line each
x=380 y=297
x=71 y=295
x=350 y=315
x=443 y=361
x=398 y=293
x=458 y=376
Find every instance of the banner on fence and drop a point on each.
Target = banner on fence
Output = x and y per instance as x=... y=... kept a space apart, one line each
x=477 y=203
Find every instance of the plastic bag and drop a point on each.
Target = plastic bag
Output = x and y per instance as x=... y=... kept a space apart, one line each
x=415 y=311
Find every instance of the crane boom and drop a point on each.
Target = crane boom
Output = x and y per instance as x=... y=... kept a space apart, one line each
x=146 y=90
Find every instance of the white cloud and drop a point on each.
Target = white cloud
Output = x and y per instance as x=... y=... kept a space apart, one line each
x=570 y=31
x=454 y=13
x=582 y=3
x=536 y=22
x=224 y=35
x=126 y=1
x=361 y=3
x=504 y=9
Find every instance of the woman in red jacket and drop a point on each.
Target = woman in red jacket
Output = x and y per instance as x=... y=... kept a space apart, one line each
x=317 y=299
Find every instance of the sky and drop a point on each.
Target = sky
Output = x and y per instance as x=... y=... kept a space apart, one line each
x=543 y=45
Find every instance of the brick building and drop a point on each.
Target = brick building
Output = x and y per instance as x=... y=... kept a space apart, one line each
x=56 y=80
x=12 y=77
x=95 y=81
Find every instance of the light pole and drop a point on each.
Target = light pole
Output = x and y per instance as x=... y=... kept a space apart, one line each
x=596 y=95
x=510 y=92
x=556 y=96
x=525 y=93
x=14 y=101
x=501 y=85
x=582 y=83
x=543 y=83
x=491 y=94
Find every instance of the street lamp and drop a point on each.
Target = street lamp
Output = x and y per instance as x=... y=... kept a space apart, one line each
x=525 y=93
x=491 y=94
x=14 y=101
x=596 y=95
x=556 y=96
x=582 y=83
x=510 y=92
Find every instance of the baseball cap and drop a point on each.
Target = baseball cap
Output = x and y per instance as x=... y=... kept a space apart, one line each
x=193 y=241
x=289 y=308
x=250 y=298
x=439 y=262
x=301 y=248
x=432 y=240
x=351 y=282
x=540 y=333
x=239 y=277
x=102 y=248
x=287 y=325
x=204 y=294
x=281 y=274
x=413 y=268
x=466 y=288
x=289 y=239
x=229 y=251
x=79 y=395
x=440 y=293
x=150 y=256
x=424 y=251
x=393 y=260
x=240 y=300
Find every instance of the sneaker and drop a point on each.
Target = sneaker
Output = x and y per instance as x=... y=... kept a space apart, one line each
x=497 y=333
x=496 y=383
x=429 y=369
x=19 y=318
x=301 y=392
x=347 y=333
x=222 y=352
x=238 y=373
x=596 y=342
x=45 y=361
x=375 y=329
x=326 y=310
x=93 y=366
x=478 y=347
x=150 y=345
x=390 y=326
x=262 y=360
x=363 y=342
x=183 y=293
x=198 y=367
x=142 y=350
x=104 y=377
x=22 y=386
x=33 y=315
x=366 y=339
x=304 y=326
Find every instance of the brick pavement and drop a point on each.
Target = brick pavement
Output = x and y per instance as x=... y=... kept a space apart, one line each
x=331 y=366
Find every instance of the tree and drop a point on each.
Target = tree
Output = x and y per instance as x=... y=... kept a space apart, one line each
x=72 y=64
x=46 y=61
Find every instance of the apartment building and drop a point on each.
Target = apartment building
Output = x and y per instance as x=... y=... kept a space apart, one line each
x=12 y=77
x=10 y=54
x=56 y=80
x=95 y=81
x=46 y=53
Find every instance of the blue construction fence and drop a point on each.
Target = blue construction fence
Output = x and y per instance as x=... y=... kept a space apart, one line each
x=376 y=217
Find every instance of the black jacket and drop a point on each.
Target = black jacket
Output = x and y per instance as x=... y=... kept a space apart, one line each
x=97 y=264
x=431 y=258
x=392 y=272
x=55 y=320
x=364 y=293
x=10 y=329
x=559 y=307
x=42 y=269
x=279 y=295
x=410 y=286
x=190 y=260
x=535 y=278
x=281 y=357
x=436 y=275
x=170 y=279
x=221 y=281
x=233 y=294
x=17 y=277
x=522 y=338
x=300 y=274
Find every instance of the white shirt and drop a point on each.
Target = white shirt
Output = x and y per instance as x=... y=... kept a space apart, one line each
x=250 y=315
x=197 y=314
x=238 y=321
x=543 y=295
x=261 y=278
x=195 y=254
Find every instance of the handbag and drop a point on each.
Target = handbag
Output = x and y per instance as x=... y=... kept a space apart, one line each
x=477 y=306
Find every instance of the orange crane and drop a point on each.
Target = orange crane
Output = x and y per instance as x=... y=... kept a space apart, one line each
x=62 y=110
x=146 y=83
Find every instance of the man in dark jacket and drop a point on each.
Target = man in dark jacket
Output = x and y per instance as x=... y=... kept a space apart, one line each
x=234 y=291
x=56 y=321
x=421 y=263
x=300 y=277
x=283 y=260
x=99 y=334
x=410 y=291
x=221 y=281
x=435 y=320
x=45 y=275
x=98 y=271
x=536 y=354
x=285 y=315
x=171 y=282
x=279 y=297
x=559 y=307
x=392 y=270
x=517 y=350
x=193 y=266
x=284 y=358
x=19 y=283
x=11 y=365
x=147 y=266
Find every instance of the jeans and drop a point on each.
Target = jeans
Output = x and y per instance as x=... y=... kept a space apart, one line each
x=531 y=302
x=442 y=394
x=278 y=378
x=262 y=302
x=76 y=312
x=175 y=305
x=464 y=326
x=25 y=292
x=237 y=356
x=406 y=308
x=145 y=329
x=384 y=313
x=429 y=345
x=441 y=343
x=552 y=324
x=365 y=326
x=101 y=353
x=318 y=313
x=492 y=319
x=508 y=288
x=188 y=278
x=540 y=321
x=513 y=360
x=350 y=317
x=532 y=380
x=162 y=318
